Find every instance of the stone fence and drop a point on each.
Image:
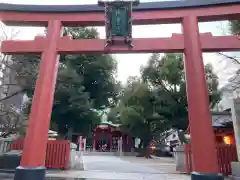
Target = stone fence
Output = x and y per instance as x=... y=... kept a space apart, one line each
x=5 y=144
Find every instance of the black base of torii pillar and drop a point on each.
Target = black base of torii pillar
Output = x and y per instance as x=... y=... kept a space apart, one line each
x=199 y=176
x=30 y=173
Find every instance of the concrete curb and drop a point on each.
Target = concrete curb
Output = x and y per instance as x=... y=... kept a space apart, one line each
x=7 y=171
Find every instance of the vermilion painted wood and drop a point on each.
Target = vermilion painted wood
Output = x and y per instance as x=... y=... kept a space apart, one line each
x=188 y=158
x=203 y=149
x=199 y=115
x=140 y=18
x=32 y=46
x=57 y=153
x=226 y=155
x=17 y=145
x=39 y=119
x=175 y=43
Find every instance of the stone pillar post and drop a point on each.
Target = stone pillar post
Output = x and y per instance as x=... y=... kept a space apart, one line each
x=235 y=110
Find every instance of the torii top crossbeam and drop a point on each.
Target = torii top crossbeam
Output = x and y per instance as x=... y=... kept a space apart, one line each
x=145 y=13
x=188 y=13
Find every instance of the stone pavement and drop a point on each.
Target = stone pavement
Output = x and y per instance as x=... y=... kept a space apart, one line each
x=161 y=164
x=115 y=168
x=114 y=164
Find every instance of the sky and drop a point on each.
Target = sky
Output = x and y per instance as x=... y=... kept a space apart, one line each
x=129 y=64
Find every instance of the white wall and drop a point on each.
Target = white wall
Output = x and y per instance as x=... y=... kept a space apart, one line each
x=230 y=90
x=225 y=102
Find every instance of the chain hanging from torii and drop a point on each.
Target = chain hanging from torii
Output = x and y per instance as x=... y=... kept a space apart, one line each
x=118 y=21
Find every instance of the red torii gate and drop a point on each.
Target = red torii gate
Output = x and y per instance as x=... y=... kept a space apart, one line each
x=191 y=43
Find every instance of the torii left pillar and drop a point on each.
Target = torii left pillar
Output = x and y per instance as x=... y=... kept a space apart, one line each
x=32 y=166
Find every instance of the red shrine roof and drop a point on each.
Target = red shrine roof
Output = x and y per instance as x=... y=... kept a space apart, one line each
x=221 y=119
x=106 y=125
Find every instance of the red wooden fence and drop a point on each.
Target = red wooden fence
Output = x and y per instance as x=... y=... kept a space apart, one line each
x=226 y=154
x=57 y=154
x=17 y=145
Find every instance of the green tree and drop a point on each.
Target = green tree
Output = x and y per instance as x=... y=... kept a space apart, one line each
x=98 y=70
x=166 y=75
x=157 y=101
x=85 y=86
x=136 y=111
x=235 y=27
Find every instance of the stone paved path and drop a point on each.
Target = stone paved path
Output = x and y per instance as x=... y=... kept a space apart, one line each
x=98 y=167
x=114 y=164
x=162 y=164
x=115 y=168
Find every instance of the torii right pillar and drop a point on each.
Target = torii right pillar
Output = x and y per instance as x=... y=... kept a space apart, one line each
x=205 y=163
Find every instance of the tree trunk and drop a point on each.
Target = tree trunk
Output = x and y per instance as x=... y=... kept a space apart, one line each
x=140 y=144
x=147 y=148
x=69 y=134
x=144 y=148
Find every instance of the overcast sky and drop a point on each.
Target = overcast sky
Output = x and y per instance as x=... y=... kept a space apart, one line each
x=129 y=64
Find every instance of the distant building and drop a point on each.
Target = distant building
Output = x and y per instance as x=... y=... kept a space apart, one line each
x=222 y=126
x=173 y=139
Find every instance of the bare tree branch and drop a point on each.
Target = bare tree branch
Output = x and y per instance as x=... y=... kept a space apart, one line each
x=8 y=36
x=14 y=94
x=234 y=58
x=2 y=85
x=12 y=120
